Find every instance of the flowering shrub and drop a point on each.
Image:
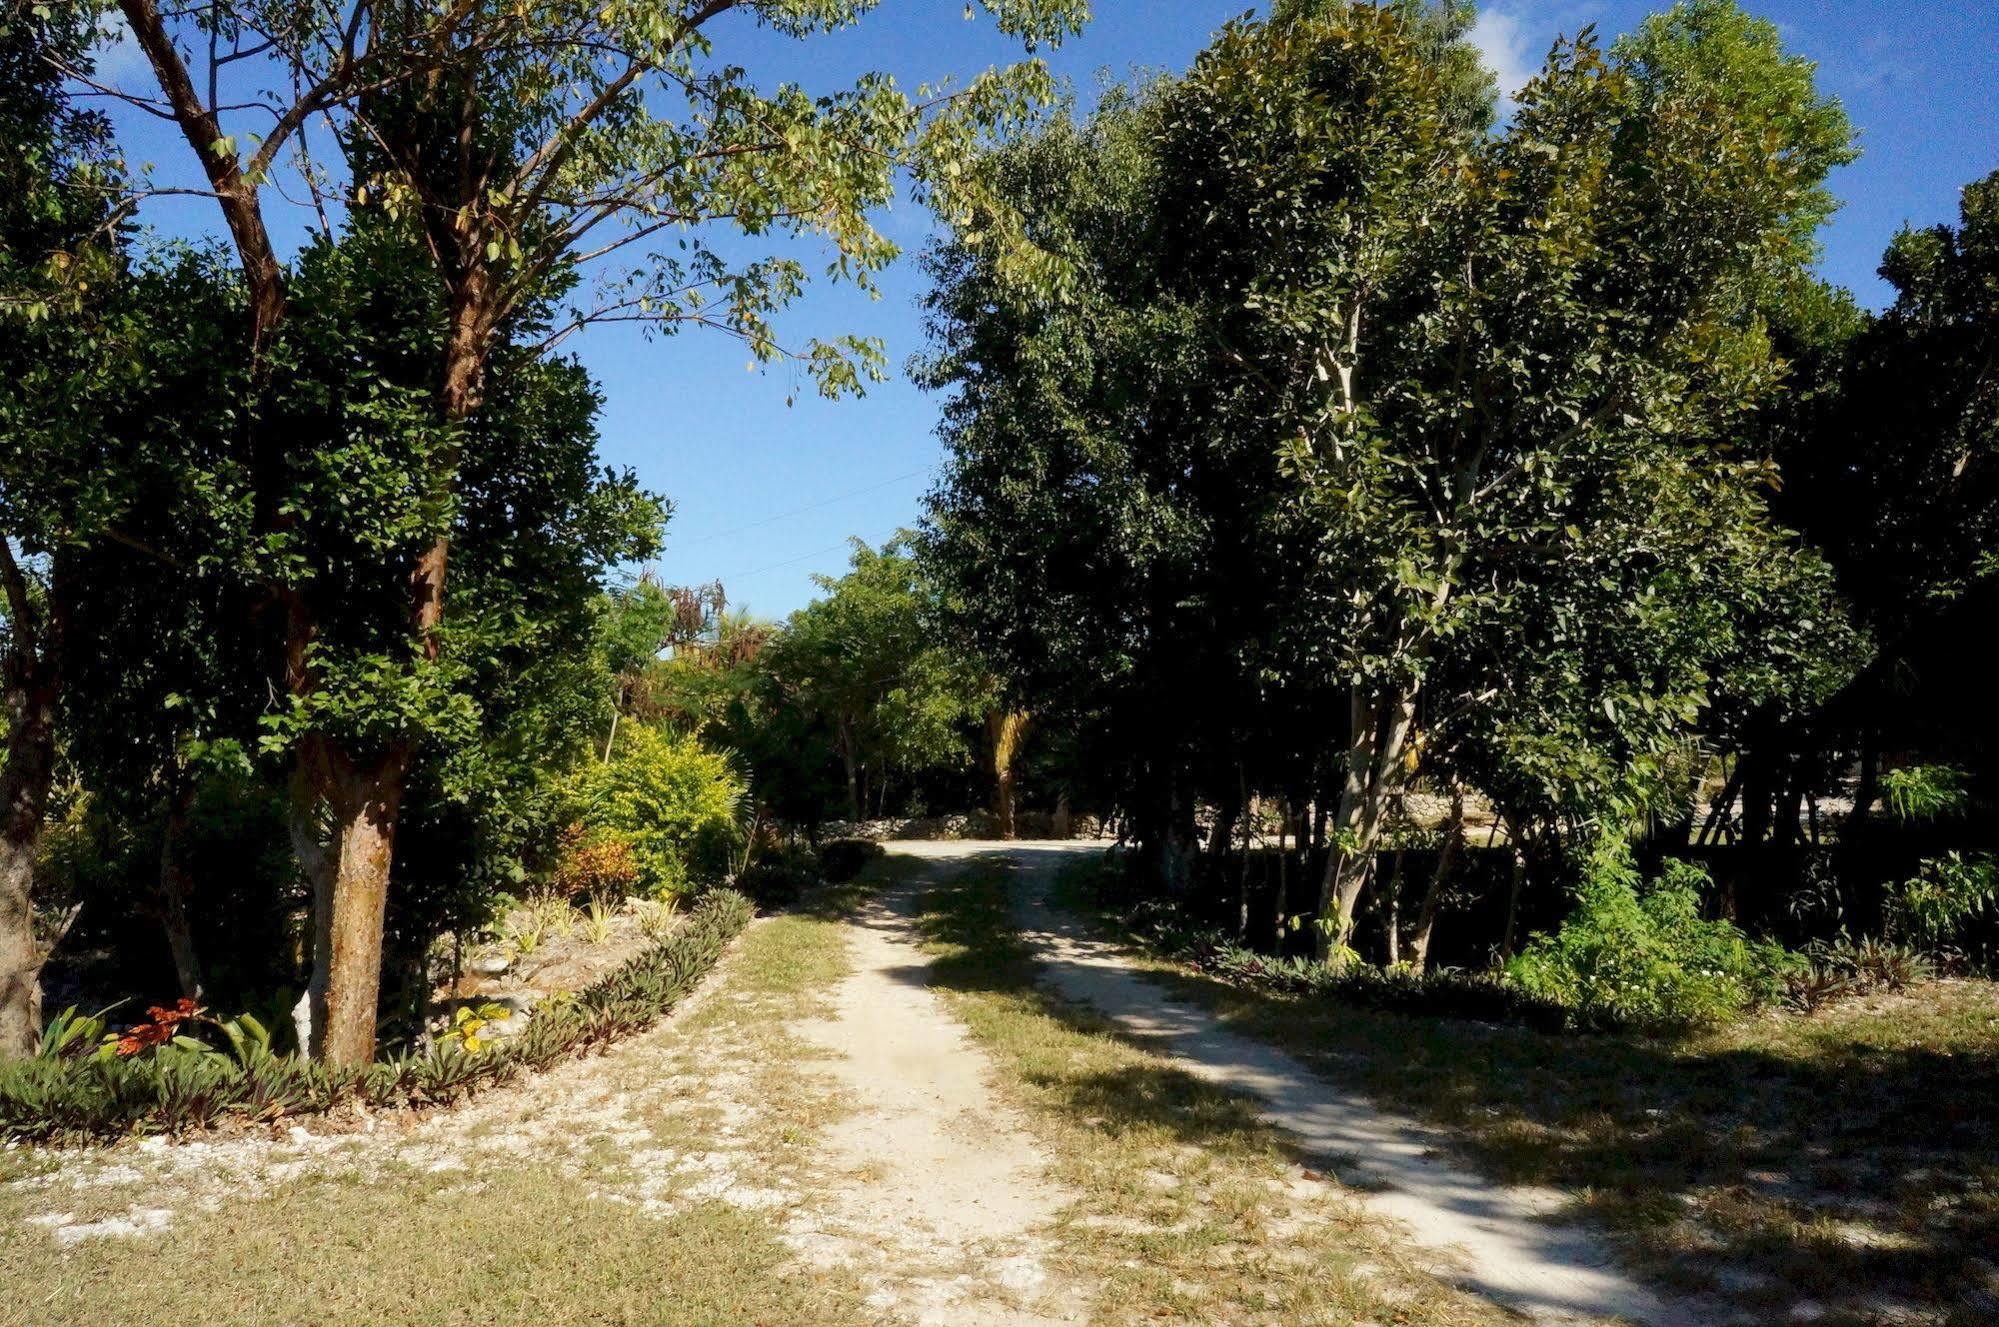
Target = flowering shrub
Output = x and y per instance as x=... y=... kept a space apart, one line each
x=595 y=862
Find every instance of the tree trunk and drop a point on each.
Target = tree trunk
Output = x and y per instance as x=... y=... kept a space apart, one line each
x=1394 y=891
x=1248 y=815
x=1514 y=887
x=30 y=681
x=1723 y=805
x=1433 y=895
x=1282 y=902
x=1868 y=787
x=362 y=807
x=1377 y=733
x=176 y=888
x=853 y=771
x=1222 y=833
x=20 y=965
x=305 y=821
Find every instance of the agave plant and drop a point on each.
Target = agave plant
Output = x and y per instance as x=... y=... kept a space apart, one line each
x=597 y=919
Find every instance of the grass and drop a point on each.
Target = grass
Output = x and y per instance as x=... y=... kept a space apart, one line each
x=640 y=1187
x=1850 y=1159
x=1189 y=1209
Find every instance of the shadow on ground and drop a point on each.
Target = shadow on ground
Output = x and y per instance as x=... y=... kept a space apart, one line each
x=1836 y=1163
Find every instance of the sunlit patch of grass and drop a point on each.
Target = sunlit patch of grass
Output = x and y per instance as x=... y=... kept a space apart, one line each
x=528 y=1246
x=1190 y=1209
x=559 y=1236
x=1845 y=1158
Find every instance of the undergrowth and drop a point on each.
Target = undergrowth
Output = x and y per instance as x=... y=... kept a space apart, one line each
x=179 y=1089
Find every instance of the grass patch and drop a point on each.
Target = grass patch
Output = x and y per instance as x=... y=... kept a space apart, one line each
x=1850 y=1158
x=1190 y=1210
x=643 y=1187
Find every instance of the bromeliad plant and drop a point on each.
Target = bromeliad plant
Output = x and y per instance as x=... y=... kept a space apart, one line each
x=173 y=1083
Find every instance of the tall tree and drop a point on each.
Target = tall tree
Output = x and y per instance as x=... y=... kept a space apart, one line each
x=515 y=142
x=1477 y=347
x=1353 y=394
x=1896 y=474
x=62 y=476
x=868 y=661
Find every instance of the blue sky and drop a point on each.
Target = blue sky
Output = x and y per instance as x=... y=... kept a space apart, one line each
x=767 y=494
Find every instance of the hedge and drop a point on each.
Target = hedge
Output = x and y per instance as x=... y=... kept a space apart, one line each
x=175 y=1090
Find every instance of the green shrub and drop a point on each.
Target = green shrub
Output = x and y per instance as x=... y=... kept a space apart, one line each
x=841 y=860
x=1440 y=993
x=1637 y=953
x=776 y=884
x=672 y=801
x=1947 y=896
x=182 y=1085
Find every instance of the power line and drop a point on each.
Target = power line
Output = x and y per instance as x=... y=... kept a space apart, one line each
x=799 y=511
x=817 y=552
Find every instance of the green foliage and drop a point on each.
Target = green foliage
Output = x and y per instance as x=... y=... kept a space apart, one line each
x=1925 y=792
x=1873 y=964
x=1639 y=954
x=1848 y=967
x=73 y=1034
x=775 y=883
x=871 y=667
x=676 y=803
x=1441 y=992
x=185 y=1085
x=1949 y=894
x=1812 y=987
x=1343 y=409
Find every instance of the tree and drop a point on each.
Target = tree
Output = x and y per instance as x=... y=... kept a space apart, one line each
x=1894 y=471
x=1331 y=397
x=159 y=662
x=1477 y=347
x=65 y=342
x=512 y=144
x=868 y=661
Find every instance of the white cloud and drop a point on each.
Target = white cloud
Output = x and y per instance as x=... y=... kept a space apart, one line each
x=1509 y=50
x=116 y=53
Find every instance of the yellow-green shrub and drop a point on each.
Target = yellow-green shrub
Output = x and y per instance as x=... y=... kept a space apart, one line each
x=672 y=800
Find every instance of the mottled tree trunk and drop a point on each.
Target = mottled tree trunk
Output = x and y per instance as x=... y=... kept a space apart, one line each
x=20 y=960
x=347 y=816
x=1378 y=730
x=29 y=684
x=24 y=794
x=852 y=764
